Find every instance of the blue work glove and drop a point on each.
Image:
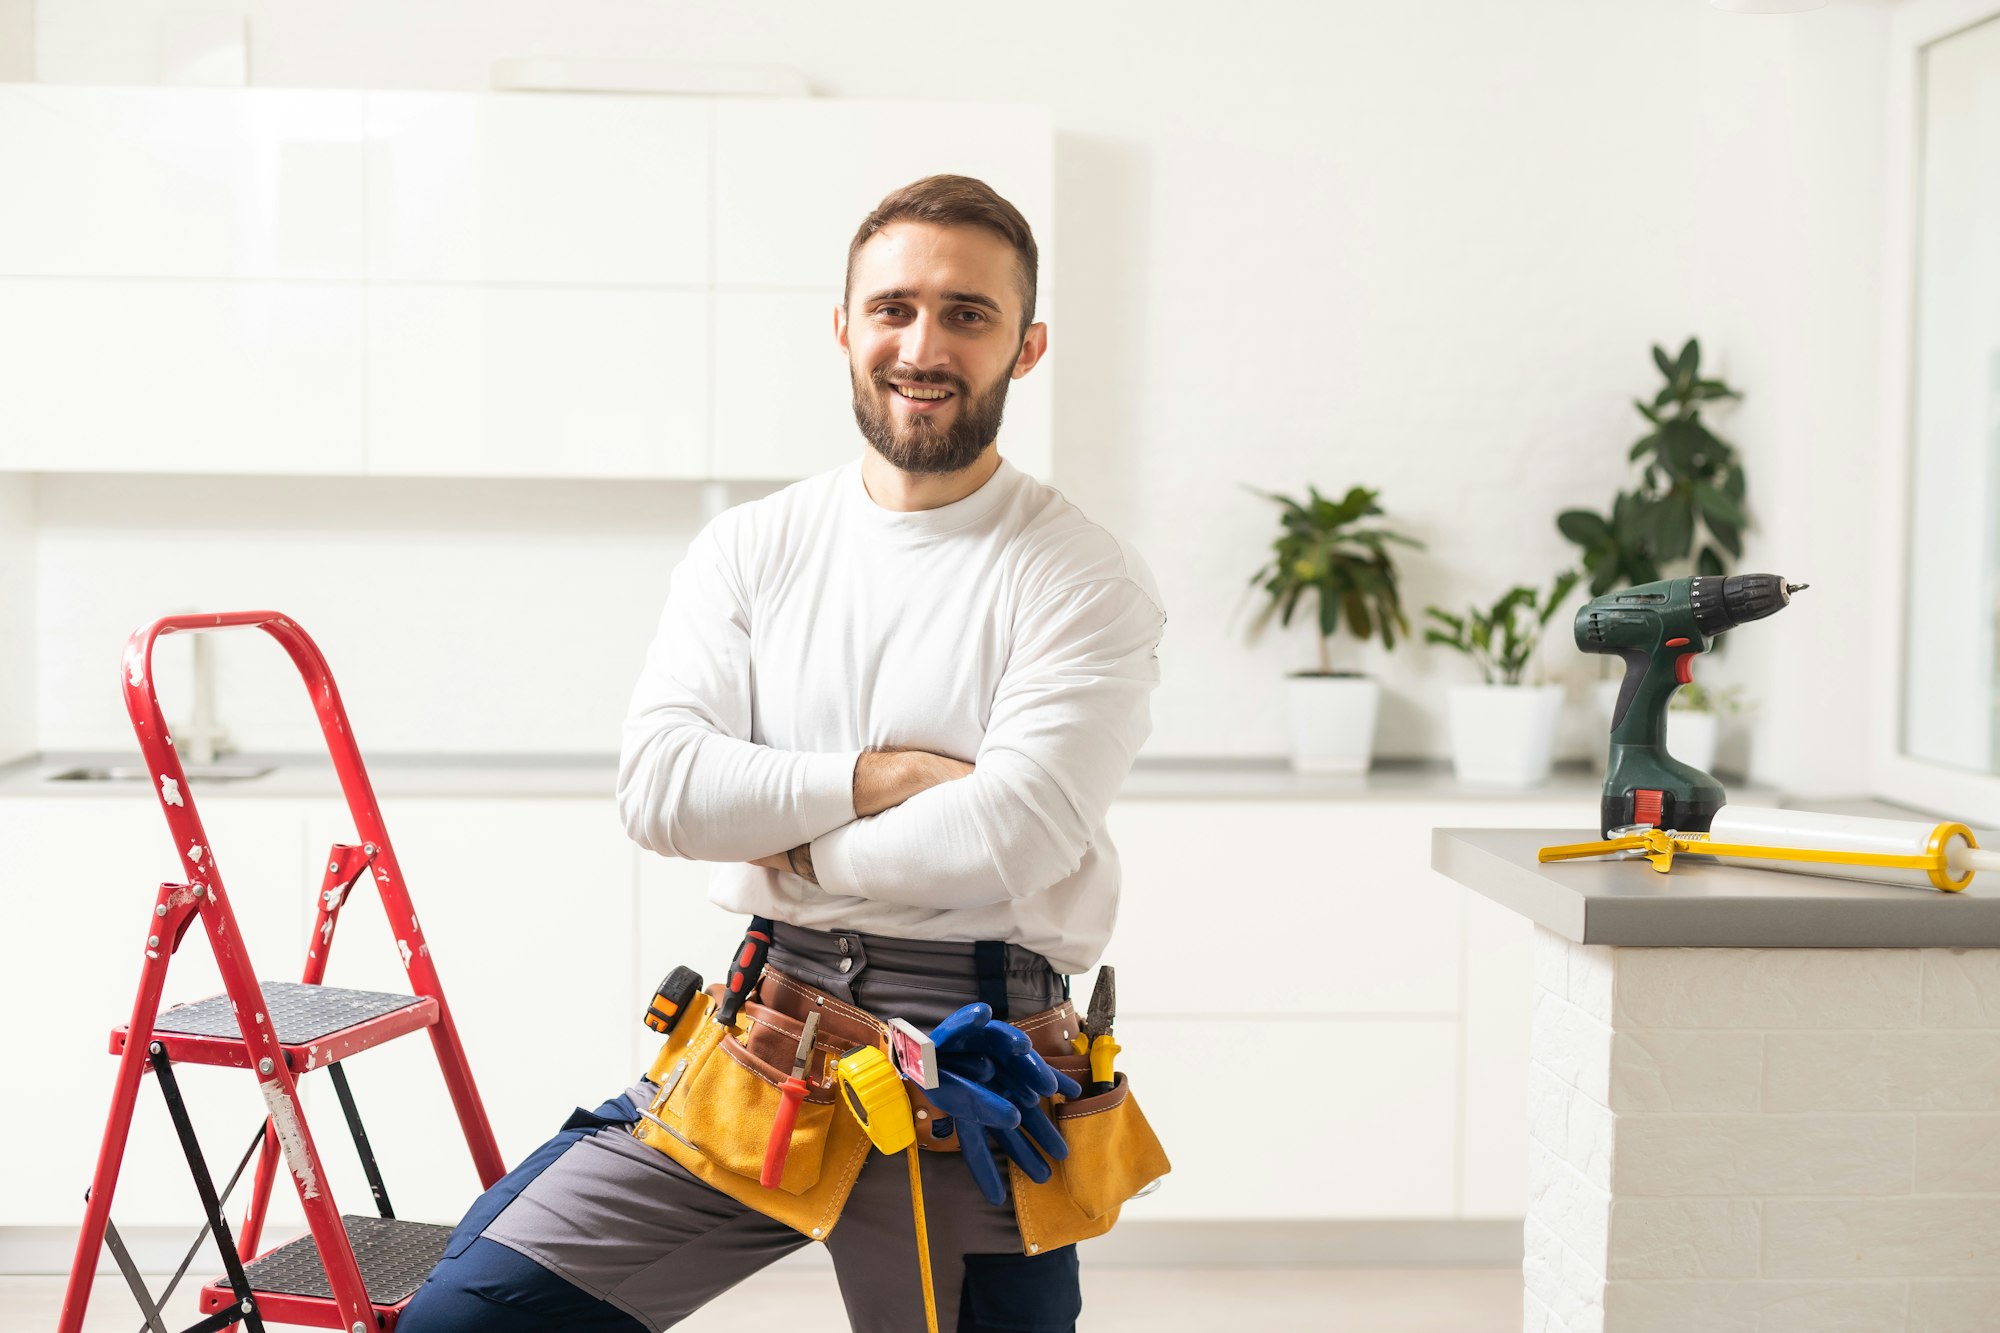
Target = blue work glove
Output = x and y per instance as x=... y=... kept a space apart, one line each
x=991 y=1082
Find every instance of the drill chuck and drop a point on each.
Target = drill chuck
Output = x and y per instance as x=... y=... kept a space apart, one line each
x=1724 y=603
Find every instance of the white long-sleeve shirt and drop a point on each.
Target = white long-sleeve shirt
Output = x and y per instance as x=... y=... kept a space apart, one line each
x=1005 y=629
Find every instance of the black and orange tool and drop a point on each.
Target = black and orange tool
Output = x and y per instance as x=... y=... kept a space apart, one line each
x=743 y=973
x=670 y=1001
x=794 y=1094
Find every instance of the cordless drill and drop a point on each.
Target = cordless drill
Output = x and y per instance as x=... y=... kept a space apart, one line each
x=1658 y=628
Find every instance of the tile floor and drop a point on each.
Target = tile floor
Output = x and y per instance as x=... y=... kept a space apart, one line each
x=1116 y=1300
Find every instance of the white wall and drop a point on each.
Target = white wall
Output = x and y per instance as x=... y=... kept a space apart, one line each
x=1422 y=247
x=1791 y=230
x=488 y=617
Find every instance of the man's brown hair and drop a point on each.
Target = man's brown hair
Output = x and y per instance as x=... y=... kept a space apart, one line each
x=955 y=201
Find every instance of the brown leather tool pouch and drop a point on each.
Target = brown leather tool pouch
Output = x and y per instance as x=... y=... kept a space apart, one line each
x=720 y=1091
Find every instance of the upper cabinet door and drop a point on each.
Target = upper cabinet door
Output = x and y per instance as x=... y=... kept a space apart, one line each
x=526 y=187
x=180 y=182
x=110 y=375
x=493 y=381
x=793 y=179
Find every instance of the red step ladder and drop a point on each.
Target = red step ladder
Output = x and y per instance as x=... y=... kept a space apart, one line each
x=350 y=1272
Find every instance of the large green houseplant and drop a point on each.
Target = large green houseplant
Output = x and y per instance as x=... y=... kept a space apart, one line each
x=1687 y=510
x=1331 y=561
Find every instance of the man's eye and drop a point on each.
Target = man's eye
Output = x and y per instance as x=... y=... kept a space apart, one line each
x=971 y=317
x=890 y=311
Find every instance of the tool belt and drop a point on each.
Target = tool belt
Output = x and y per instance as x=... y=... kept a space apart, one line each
x=720 y=1090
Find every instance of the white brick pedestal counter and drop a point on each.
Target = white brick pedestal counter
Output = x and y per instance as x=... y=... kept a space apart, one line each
x=1757 y=1101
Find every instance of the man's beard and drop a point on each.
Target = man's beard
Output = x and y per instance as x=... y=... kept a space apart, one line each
x=923 y=446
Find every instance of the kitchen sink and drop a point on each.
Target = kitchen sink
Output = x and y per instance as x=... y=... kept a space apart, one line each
x=138 y=773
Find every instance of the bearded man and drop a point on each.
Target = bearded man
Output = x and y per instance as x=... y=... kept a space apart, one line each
x=893 y=703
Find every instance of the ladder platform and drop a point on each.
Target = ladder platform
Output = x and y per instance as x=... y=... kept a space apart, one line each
x=317 y=1025
x=290 y=1282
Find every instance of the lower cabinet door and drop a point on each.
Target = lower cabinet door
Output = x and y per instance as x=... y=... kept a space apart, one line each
x=527 y=909
x=85 y=872
x=1270 y=1116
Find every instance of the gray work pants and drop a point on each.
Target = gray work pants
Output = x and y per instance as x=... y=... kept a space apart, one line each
x=627 y=1225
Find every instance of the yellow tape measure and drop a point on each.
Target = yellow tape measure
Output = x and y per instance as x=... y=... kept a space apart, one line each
x=876 y=1095
x=874 y=1090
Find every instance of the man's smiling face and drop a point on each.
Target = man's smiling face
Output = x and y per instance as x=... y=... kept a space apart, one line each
x=932 y=331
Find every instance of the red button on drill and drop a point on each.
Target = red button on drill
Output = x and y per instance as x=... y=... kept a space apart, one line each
x=1684 y=668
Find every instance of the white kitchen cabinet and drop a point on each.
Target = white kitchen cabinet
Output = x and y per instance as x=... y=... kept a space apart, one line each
x=1290 y=1117
x=82 y=875
x=181 y=182
x=1499 y=1009
x=537 y=382
x=1299 y=944
x=179 y=376
x=528 y=187
x=793 y=179
x=1308 y=905
x=264 y=281
x=527 y=906
x=783 y=398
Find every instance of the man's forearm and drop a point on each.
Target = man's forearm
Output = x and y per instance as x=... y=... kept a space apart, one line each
x=883 y=779
x=695 y=794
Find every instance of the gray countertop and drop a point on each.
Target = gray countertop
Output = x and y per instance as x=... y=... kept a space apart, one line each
x=1710 y=905
x=502 y=775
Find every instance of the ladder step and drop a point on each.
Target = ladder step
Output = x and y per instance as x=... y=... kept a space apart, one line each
x=317 y=1025
x=290 y=1282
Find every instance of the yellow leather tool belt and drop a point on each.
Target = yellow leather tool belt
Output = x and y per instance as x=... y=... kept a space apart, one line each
x=720 y=1090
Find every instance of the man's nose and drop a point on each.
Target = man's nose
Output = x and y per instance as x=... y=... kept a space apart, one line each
x=923 y=346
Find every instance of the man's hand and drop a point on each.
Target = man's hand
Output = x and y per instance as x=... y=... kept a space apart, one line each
x=883 y=780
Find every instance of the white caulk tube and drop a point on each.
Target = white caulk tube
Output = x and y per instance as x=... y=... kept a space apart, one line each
x=1759 y=826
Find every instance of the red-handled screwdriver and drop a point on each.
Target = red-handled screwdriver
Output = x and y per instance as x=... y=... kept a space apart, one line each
x=794 y=1094
x=744 y=970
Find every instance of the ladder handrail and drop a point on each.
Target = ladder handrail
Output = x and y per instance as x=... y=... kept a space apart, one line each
x=143 y=704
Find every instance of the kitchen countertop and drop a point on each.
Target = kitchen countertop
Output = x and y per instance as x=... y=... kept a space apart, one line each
x=1713 y=906
x=500 y=775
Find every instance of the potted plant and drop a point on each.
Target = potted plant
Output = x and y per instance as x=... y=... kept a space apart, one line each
x=1687 y=512
x=1690 y=493
x=1694 y=721
x=1326 y=554
x=1503 y=733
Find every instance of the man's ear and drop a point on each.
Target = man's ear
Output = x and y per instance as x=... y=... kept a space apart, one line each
x=840 y=327
x=1034 y=345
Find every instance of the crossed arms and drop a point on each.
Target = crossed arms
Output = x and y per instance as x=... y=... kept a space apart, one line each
x=899 y=826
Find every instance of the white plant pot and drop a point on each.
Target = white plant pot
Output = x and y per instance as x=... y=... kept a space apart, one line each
x=1333 y=722
x=1504 y=735
x=1691 y=737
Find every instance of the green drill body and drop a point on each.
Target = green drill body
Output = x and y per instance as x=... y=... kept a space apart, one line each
x=1658 y=629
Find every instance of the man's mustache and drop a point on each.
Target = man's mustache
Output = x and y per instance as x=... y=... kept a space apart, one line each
x=883 y=378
